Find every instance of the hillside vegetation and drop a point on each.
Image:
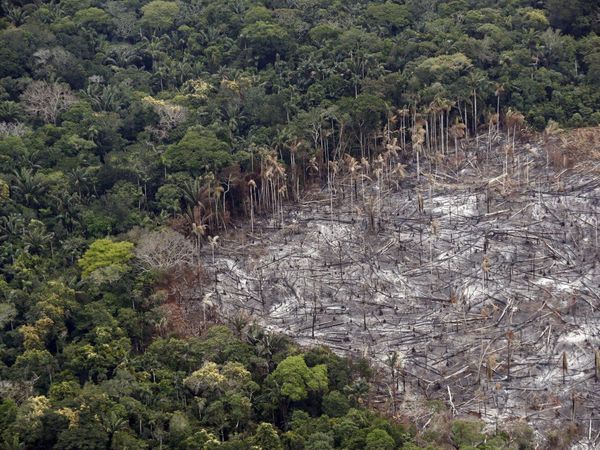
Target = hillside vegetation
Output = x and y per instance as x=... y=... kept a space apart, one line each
x=141 y=140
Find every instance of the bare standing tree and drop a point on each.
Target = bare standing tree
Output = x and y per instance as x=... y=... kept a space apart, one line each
x=13 y=129
x=170 y=116
x=47 y=100
x=164 y=251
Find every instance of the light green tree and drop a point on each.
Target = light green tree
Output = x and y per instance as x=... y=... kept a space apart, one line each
x=389 y=15
x=296 y=380
x=92 y=17
x=106 y=256
x=159 y=15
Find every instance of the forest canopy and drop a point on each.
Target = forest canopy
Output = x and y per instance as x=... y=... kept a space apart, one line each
x=137 y=127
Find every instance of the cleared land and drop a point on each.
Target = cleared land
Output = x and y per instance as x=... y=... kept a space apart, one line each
x=483 y=275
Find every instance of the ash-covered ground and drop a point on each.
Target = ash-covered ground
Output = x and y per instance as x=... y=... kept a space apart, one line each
x=485 y=280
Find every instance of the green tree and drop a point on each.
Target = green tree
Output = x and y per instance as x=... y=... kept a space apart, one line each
x=8 y=413
x=467 y=433
x=266 y=437
x=92 y=17
x=379 y=440
x=335 y=404
x=256 y=14
x=572 y=16
x=106 y=256
x=35 y=364
x=265 y=41
x=296 y=380
x=389 y=16
x=319 y=441
x=199 y=150
x=159 y=15
x=444 y=69
x=87 y=435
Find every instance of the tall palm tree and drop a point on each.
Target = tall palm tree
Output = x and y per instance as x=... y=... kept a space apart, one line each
x=66 y=204
x=252 y=195
x=499 y=90
x=353 y=167
x=418 y=140
x=476 y=82
x=394 y=362
x=457 y=131
x=514 y=122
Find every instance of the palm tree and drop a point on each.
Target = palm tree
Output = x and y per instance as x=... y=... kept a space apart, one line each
x=352 y=167
x=11 y=225
x=217 y=192
x=16 y=15
x=123 y=56
x=273 y=185
x=498 y=93
x=252 y=189
x=35 y=236
x=112 y=423
x=332 y=169
x=66 y=204
x=294 y=146
x=418 y=139
x=514 y=120
x=400 y=172
x=390 y=154
x=154 y=47
x=379 y=165
x=213 y=241
x=359 y=391
x=199 y=231
x=29 y=186
x=475 y=81
x=493 y=120
x=394 y=362
x=446 y=106
x=457 y=131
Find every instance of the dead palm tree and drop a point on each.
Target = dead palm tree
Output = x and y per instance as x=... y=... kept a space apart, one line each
x=514 y=122
x=217 y=193
x=394 y=362
x=457 y=131
x=476 y=81
x=213 y=241
x=295 y=146
x=403 y=114
x=199 y=231
x=352 y=167
x=391 y=154
x=366 y=169
x=274 y=183
x=418 y=140
x=498 y=92
x=400 y=173
x=379 y=165
x=252 y=191
x=493 y=120
x=332 y=169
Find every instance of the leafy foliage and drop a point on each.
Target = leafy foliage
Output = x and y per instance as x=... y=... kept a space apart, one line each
x=105 y=254
x=296 y=380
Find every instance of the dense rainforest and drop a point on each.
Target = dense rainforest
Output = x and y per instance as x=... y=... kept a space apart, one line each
x=120 y=120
